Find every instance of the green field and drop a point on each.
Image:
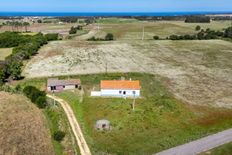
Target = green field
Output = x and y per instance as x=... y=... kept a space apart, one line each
x=159 y=121
x=4 y=52
x=132 y=29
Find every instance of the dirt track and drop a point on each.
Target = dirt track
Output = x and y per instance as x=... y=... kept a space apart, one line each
x=84 y=149
x=22 y=127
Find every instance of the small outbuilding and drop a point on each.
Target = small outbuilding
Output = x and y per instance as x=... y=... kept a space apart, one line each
x=56 y=85
x=103 y=125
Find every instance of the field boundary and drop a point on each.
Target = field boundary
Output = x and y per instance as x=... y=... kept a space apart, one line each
x=84 y=149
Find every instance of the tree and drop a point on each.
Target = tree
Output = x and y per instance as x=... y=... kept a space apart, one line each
x=197 y=28
x=39 y=21
x=109 y=37
x=228 y=32
x=73 y=30
x=58 y=135
x=2 y=76
x=156 y=37
x=15 y=69
x=26 y=24
x=41 y=102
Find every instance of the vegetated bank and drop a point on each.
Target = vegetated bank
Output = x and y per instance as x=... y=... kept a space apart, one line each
x=23 y=127
x=24 y=46
x=158 y=123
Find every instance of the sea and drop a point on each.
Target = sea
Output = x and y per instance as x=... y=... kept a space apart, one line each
x=102 y=14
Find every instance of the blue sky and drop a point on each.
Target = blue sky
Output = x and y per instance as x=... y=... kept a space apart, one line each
x=115 y=5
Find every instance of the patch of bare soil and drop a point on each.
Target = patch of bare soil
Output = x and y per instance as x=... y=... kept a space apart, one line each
x=199 y=72
x=22 y=127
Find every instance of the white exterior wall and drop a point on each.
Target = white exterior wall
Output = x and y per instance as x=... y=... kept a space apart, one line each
x=68 y=87
x=115 y=92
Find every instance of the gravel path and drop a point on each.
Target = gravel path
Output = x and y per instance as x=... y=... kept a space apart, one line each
x=84 y=149
x=201 y=145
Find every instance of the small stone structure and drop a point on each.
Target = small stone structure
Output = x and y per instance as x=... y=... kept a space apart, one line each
x=103 y=125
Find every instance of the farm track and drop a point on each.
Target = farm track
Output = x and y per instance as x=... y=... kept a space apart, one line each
x=84 y=149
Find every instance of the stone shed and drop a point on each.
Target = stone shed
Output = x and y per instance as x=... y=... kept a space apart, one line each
x=103 y=125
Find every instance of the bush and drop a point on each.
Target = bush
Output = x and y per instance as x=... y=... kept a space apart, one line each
x=197 y=28
x=109 y=37
x=58 y=135
x=41 y=102
x=156 y=37
x=36 y=96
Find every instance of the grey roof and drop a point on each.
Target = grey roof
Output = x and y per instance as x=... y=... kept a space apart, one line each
x=57 y=82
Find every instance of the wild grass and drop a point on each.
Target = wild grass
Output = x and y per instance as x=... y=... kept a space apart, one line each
x=57 y=121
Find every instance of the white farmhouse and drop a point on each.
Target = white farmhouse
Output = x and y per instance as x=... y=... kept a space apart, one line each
x=118 y=88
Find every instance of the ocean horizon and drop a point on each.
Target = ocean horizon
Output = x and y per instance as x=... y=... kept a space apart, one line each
x=89 y=14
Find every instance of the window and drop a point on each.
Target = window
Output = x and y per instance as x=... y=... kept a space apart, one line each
x=120 y=92
x=134 y=92
x=53 y=87
x=124 y=92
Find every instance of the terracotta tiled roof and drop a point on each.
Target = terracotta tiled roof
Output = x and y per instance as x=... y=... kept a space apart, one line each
x=120 y=84
x=57 y=82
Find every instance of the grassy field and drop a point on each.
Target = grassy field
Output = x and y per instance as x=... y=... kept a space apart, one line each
x=133 y=29
x=159 y=122
x=191 y=66
x=23 y=127
x=221 y=150
x=4 y=52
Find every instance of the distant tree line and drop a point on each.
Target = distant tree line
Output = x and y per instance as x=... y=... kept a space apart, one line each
x=15 y=25
x=205 y=35
x=108 y=37
x=202 y=34
x=197 y=19
x=24 y=46
x=87 y=20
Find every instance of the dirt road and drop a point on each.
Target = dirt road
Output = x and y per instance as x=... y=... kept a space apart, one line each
x=201 y=145
x=84 y=149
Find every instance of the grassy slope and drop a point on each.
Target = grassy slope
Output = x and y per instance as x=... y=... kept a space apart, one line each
x=4 y=52
x=22 y=127
x=160 y=121
x=222 y=150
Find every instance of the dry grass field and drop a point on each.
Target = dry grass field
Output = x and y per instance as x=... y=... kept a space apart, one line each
x=198 y=72
x=22 y=127
x=133 y=29
x=4 y=52
x=44 y=28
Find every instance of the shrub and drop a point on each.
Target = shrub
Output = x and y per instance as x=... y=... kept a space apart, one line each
x=156 y=37
x=109 y=37
x=197 y=28
x=58 y=135
x=41 y=102
x=36 y=96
